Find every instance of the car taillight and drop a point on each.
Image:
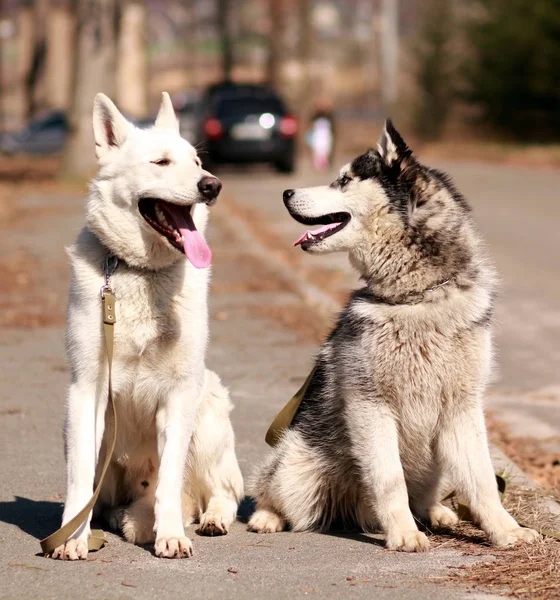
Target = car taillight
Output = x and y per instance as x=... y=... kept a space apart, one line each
x=213 y=128
x=288 y=126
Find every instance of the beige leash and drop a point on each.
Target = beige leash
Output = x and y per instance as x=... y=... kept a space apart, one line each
x=97 y=538
x=286 y=415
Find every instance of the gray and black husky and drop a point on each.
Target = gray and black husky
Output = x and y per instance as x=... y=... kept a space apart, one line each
x=393 y=416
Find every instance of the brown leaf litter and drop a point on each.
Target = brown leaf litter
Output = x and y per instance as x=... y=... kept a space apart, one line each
x=526 y=571
x=540 y=464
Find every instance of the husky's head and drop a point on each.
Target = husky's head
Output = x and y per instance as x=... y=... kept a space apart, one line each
x=149 y=191
x=404 y=225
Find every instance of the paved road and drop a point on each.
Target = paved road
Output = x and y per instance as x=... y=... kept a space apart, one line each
x=518 y=212
x=263 y=361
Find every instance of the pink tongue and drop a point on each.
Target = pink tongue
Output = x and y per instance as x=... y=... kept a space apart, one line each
x=194 y=245
x=315 y=232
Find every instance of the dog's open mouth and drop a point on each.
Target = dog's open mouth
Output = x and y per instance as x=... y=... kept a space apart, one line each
x=175 y=223
x=331 y=224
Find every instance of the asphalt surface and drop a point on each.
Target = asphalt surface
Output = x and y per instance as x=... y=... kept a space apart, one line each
x=263 y=362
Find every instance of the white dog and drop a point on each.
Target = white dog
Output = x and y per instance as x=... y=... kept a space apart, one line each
x=147 y=208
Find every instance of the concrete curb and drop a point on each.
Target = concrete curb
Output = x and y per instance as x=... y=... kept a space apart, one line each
x=328 y=307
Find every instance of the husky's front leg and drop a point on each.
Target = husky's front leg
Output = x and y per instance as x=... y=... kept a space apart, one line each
x=83 y=432
x=375 y=445
x=175 y=422
x=463 y=450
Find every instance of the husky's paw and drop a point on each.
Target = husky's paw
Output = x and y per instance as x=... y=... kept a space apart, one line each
x=137 y=531
x=266 y=521
x=213 y=523
x=136 y=522
x=512 y=536
x=114 y=516
x=72 y=550
x=441 y=516
x=408 y=541
x=175 y=547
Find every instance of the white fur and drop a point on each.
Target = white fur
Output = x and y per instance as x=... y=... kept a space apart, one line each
x=163 y=394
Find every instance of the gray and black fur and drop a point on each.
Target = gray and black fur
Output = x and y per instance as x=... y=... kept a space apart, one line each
x=393 y=415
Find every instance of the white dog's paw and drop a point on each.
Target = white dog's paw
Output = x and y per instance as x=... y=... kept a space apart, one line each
x=408 y=541
x=174 y=547
x=72 y=550
x=266 y=521
x=441 y=516
x=512 y=536
x=213 y=523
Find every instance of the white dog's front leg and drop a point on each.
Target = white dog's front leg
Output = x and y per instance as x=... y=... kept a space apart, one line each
x=175 y=422
x=83 y=432
x=376 y=447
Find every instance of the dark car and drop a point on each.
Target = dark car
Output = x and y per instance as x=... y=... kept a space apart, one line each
x=247 y=124
x=44 y=135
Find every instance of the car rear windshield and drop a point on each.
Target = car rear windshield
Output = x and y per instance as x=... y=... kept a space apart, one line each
x=234 y=107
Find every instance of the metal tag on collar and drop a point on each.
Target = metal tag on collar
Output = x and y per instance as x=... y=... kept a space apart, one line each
x=109 y=265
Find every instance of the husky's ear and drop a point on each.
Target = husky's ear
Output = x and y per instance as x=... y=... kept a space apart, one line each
x=166 y=118
x=110 y=128
x=391 y=147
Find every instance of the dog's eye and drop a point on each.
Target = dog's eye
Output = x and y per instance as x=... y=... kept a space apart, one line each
x=197 y=162
x=344 y=180
x=161 y=162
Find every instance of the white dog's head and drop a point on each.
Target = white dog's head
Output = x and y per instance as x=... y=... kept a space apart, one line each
x=150 y=190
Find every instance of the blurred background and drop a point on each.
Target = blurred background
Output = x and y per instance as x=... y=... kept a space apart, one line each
x=452 y=72
x=302 y=86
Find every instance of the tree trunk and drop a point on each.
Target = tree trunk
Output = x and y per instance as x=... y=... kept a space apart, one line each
x=25 y=52
x=95 y=47
x=275 y=43
x=305 y=51
x=224 y=7
x=389 y=52
x=192 y=34
x=60 y=35
x=132 y=68
x=35 y=92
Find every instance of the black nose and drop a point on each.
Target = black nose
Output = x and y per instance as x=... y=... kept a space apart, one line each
x=210 y=187
x=287 y=195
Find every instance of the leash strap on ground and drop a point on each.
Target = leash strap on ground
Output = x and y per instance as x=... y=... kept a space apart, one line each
x=97 y=538
x=285 y=417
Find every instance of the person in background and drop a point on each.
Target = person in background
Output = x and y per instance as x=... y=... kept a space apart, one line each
x=321 y=136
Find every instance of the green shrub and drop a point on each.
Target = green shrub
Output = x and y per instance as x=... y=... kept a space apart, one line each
x=434 y=68
x=513 y=74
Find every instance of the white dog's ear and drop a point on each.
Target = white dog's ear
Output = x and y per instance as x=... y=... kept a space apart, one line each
x=110 y=128
x=391 y=147
x=166 y=118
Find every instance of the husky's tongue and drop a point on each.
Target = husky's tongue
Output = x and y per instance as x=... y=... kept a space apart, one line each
x=309 y=235
x=195 y=247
